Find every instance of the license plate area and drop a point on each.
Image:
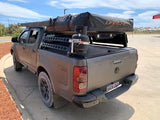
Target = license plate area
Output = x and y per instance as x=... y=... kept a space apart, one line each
x=112 y=86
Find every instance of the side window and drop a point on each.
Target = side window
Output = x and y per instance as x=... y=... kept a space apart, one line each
x=23 y=37
x=33 y=36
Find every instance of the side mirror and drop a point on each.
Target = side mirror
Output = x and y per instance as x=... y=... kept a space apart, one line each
x=14 y=39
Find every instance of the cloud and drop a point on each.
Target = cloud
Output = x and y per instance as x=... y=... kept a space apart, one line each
x=82 y=3
x=125 y=14
x=52 y=3
x=3 y=22
x=116 y=4
x=128 y=12
x=152 y=23
x=17 y=20
x=143 y=19
x=7 y=9
x=23 y=1
x=147 y=15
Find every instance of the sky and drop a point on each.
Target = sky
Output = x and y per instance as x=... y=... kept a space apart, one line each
x=19 y=11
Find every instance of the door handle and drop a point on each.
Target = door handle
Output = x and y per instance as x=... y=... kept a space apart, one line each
x=23 y=47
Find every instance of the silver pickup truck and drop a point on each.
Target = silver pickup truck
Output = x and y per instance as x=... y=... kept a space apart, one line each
x=80 y=68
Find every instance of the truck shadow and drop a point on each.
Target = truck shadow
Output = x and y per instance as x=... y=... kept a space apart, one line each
x=24 y=84
x=112 y=110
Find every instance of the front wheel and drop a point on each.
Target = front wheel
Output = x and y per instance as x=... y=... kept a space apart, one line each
x=17 y=65
x=45 y=88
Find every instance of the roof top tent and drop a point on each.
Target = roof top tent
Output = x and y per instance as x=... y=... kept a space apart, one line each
x=93 y=24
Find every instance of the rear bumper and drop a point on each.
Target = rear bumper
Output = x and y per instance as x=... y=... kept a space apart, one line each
x=96 y=96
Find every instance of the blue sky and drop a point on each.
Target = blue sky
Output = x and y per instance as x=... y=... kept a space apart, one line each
x=17 y=11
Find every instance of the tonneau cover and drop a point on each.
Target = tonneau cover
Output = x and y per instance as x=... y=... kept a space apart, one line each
x=94 y=22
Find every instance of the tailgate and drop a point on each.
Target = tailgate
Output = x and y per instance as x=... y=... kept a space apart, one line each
x=109 y=68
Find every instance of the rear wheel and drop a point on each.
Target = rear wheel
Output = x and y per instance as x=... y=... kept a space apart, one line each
x=17 y=65
x=45 y=88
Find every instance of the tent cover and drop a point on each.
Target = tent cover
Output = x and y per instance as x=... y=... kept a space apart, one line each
x=94 y=22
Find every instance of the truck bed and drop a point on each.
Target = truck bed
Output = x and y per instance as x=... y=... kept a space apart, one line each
x=99 y=50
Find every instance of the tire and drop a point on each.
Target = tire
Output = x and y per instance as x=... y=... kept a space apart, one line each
x=17 y=66
x=45 y=89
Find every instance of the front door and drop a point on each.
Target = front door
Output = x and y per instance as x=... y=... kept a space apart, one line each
x=21 y=47
x=31 y=48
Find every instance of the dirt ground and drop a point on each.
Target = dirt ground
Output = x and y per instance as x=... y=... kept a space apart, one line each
x=8 y=109
x=144 y=97
x=4 y=48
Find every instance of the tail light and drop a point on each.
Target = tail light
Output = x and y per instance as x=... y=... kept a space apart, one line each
x=80 y=79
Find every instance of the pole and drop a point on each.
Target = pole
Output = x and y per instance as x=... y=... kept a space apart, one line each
x=65 y=11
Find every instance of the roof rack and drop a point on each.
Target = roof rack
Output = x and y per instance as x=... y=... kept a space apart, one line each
x=37 y=23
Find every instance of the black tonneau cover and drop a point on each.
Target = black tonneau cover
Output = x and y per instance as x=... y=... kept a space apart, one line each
x=94 y=22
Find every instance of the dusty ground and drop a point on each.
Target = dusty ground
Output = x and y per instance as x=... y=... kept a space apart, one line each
x=8 y=109
x=141 y=102
x=145 y=95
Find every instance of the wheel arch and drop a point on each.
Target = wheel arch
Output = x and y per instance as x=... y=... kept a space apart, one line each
x=43 y=69
x=11 y=51
x=58 y=100
x=40 y=69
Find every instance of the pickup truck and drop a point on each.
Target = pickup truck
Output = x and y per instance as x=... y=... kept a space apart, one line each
x=99 y=74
